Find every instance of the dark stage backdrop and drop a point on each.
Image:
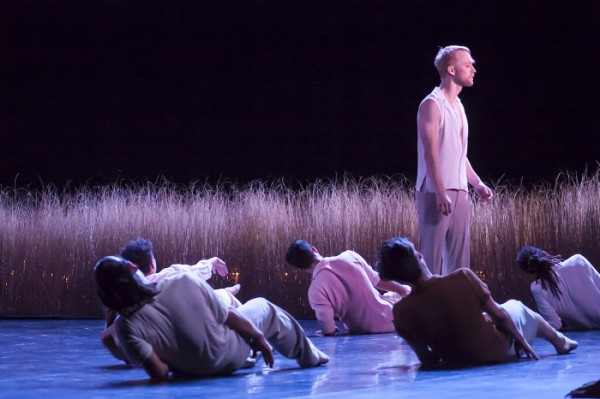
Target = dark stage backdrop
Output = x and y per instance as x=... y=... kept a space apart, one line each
x=95 y=91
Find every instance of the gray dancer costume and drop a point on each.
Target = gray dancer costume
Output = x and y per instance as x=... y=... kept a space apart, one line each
x=185 y=327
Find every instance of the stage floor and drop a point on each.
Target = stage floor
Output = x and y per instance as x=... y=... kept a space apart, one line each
x=64 y=358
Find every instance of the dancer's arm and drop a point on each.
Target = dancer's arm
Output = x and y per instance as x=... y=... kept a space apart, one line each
x=483 y=192
x=110 y=342
x=244 y=327
x=503 y=320
x=426 y=356
x=156 y=368
x=389 y=285
x=376 y=281
x=111 y=315
x=428 y=125
x=326 y=319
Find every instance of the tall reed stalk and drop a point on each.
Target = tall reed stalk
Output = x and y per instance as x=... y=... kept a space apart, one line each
x=50 y=240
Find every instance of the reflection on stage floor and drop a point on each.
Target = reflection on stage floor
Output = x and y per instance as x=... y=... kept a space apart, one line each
x=64 y=358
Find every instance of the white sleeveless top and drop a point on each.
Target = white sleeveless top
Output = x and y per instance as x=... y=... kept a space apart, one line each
x=452 y=150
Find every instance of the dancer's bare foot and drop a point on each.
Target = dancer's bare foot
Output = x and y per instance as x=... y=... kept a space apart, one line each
x=233 y=290
x=565 y=345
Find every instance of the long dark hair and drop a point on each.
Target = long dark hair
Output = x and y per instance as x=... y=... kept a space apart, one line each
x=534 y=261
x=119 y=287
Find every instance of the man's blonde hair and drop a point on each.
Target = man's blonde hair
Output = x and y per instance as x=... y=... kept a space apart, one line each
x=444 y=55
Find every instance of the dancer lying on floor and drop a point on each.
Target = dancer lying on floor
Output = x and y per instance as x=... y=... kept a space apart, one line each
x=345 y=286
x=180 y=325
x=567 y=292
x=141 y=253
x=453 y=319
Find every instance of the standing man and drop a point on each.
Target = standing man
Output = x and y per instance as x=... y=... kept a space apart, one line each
x=444 y=171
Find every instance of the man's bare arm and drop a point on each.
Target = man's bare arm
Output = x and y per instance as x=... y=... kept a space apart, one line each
x=109 y=341
x=111 y=315
x=483 y=192
x=503 y=319
x=426 y=356
x=238 y=323
x=156 y=368
x=388 y=285
x=325 y=316
x=428 y=124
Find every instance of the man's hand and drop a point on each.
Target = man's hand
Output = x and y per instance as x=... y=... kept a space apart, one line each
x=218 y=266
x=407 y=290
x=502 y=319
x=444 y=203
x=111 y=315
x=484 y=193
x=156 y=368
x=334 y=333
x=261 y=345
x=255 y=338
x=526 y=348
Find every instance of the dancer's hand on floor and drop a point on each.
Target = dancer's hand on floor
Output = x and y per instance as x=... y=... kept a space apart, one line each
x=261 y=345
x=526 y=349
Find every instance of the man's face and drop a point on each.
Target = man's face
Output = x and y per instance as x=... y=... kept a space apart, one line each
x=463 y=68
x=420 y=258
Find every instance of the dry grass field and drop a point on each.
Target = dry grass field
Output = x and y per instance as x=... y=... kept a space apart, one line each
x=50 y=239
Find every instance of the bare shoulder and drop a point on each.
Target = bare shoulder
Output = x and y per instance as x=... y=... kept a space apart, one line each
x=428 y=106
x=429 y=114
x=465 y=271
x=468 y=274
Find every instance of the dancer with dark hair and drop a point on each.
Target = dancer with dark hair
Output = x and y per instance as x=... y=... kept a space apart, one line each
x=141 y=253
x=567 y=292
x=453 y=319
x=345 y=286
x=180 y=326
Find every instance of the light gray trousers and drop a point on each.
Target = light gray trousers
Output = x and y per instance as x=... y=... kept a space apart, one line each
x=282 y=331
x=444 y=240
